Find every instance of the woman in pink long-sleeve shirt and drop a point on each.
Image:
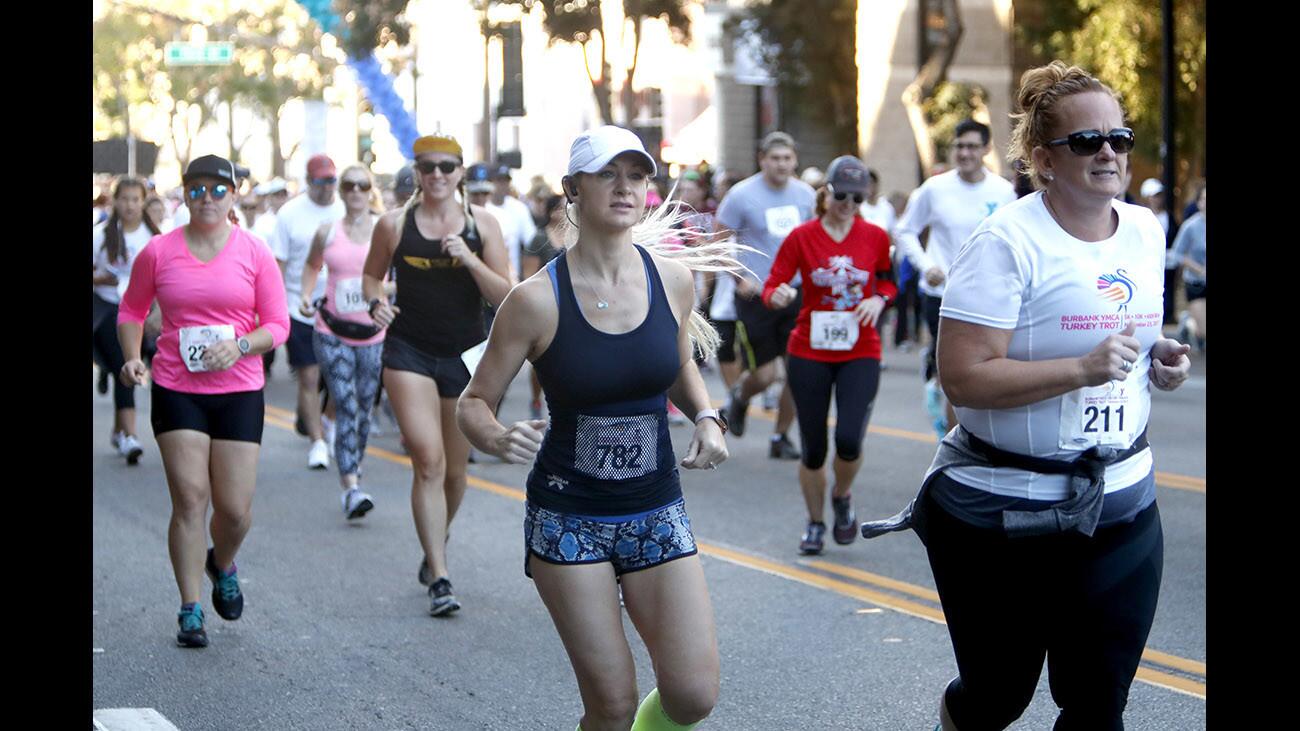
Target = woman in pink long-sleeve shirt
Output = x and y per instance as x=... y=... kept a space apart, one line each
x=222 y=299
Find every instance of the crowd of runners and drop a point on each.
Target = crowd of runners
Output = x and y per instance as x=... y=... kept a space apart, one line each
x=426 y=299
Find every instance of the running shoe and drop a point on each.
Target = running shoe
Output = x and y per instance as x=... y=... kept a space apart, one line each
x=441 y=600
x=813 y=540
x=300 y=426
x=356 y=503
x=327 y=426
x=191 y=633
x=845 y=528
x=116 y=440
x=736 y=412
x=318 y=457
x=675 y=416
x=102 y=384
x=772 y=397
x=425 y=576
x=781 y=447
x=128 y=446
x=227 y=599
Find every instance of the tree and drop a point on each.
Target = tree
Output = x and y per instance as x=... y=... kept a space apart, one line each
x=579 y=21
x=370 y=24
x=809 y=47
x=1120 y=42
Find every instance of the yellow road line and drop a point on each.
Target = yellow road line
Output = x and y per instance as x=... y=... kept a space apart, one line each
x=281 y=418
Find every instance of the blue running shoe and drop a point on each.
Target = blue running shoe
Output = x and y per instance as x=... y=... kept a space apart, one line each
x=227 y=599
x=191 y=633
x=934 y=407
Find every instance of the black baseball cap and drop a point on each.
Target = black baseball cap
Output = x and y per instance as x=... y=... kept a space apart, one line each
x=404 y=183
x=500 y=170
x=848 y=174
x=209 y=166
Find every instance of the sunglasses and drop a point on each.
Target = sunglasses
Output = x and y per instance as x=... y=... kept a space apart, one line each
x=324 y=181
x=219 y=191
x=347 y=186
x=857 y=197
x=1089 y=141
x=427 y=167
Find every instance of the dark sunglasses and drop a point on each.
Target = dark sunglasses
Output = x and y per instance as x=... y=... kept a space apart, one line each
x=857 y=197
x=219 y=191
x=324 y=181
x=426 y=167
x=1089 y=141
x=347 y=186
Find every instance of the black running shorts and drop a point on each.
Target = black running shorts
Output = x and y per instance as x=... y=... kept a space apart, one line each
x=237 y=416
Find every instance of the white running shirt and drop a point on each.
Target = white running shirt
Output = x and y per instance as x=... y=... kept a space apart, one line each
x=1060 y=296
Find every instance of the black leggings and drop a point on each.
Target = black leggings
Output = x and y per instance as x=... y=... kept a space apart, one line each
x=855 y=382
x=1087 y=604
x=107 y=350
x=930 y=304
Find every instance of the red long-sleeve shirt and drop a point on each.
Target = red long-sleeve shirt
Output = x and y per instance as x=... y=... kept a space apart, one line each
x=836 y=277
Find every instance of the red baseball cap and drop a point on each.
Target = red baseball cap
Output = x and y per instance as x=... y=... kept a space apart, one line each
x=321 y=166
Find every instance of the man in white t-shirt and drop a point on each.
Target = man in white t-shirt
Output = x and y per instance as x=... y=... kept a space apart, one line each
x=517 y=225
x=295 y=225
x=274 y=194
x=952 y=205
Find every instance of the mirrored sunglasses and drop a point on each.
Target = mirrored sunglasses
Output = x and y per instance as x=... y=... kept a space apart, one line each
x=218 y=191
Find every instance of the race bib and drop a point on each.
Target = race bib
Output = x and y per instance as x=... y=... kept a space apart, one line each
x=195 y=342
x=616 y=447
x=472 y=356
x=833 y=330
x=348 y=297
x=782 y=220
x=1104 y=415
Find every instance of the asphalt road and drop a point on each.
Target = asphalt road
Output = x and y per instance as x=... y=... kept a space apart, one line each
x=336 y=635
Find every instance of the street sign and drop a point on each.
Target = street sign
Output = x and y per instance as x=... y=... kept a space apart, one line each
x=199 y=54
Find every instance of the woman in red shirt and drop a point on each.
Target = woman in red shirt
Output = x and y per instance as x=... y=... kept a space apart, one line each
x=847 y=283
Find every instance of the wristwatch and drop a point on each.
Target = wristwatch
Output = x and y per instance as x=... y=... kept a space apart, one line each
x=714 y=414
x=244 y=346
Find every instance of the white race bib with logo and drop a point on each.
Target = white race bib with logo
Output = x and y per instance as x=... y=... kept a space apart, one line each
x=195 y=341
x=782 y=220
x=833 y=330
x=616 y=447
x=348 y=297
x=1105 y=415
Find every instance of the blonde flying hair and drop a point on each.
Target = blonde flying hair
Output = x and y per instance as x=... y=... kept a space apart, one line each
x=663 y=231
x=1041 y=91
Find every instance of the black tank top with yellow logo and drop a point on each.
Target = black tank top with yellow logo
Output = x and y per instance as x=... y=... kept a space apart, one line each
x=442 y=308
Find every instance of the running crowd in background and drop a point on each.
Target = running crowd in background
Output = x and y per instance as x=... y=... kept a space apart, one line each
x=415 y=303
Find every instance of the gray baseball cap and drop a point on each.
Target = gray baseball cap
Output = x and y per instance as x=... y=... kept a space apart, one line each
x=848 y=174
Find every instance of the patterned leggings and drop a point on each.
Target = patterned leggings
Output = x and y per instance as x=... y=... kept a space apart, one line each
x=352 y=375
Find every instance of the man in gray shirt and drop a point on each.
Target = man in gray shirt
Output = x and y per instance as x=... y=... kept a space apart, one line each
x=762 y=209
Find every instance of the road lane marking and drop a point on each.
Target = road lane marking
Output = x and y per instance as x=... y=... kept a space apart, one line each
x=130 y=719
x=843 y=588
x=1163 y=479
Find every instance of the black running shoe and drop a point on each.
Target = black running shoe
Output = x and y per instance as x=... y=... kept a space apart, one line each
x=227 y=599
x=782 y=448
x=191 y=633
x=441 y=601
x=736 y=412
x=425 y=576
x=845 y=528
x=812 y=542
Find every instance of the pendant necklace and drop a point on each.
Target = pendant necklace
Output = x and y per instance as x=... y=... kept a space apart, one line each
x=601 y=303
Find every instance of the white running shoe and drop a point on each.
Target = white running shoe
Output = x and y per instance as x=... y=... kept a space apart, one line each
x=356 y=503
x=318 y=457
x=129 y=447
x=327 y=425
x=116 y=440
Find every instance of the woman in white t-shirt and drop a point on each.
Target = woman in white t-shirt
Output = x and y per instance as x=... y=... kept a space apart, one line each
x=1039 y=512
x=114 y=244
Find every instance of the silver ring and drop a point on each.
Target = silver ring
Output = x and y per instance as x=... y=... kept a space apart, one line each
x=1127 y=366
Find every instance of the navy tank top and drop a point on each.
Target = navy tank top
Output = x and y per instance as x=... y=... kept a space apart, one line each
x=607 y=449
x=442 y=308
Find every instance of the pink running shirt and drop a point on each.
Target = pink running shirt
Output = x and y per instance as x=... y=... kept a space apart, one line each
x=345 y=260
x=241 y=287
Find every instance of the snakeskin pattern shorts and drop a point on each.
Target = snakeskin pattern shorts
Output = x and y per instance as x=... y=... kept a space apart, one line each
x=629 y=542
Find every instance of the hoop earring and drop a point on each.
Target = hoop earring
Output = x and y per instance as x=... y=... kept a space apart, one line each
x=568 y=218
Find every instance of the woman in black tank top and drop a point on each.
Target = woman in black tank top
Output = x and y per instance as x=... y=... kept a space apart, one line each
x=597 y=487
x=448 y=257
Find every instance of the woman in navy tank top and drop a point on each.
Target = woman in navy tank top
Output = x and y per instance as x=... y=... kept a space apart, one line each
x=448 y=257
x=605 y=325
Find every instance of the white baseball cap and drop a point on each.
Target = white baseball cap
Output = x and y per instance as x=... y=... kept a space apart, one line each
x=1151 y=187
x=593 y=149
x=274 y=185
